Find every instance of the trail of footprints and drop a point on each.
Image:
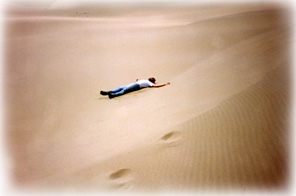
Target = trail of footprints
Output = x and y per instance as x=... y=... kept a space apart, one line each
x=122 y=179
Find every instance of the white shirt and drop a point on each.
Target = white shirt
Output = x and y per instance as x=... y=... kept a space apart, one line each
x=144 y=83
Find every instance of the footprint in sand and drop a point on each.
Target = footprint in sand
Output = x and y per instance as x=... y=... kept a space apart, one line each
x=171 y=139
x=121 y=179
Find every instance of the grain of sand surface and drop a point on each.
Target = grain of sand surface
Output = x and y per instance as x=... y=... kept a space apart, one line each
x=223 y=123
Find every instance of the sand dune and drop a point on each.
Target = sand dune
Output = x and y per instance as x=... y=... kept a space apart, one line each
x=222 y=123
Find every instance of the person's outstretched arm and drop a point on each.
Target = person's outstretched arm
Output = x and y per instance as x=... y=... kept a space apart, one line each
x=160 y=85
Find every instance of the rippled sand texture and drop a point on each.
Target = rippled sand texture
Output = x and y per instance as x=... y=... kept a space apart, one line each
x=223 y=123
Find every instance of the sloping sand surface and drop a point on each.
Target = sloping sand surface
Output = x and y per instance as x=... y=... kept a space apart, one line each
x=222 y=123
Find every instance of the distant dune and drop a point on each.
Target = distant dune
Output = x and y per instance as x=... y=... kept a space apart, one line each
x=222 y=124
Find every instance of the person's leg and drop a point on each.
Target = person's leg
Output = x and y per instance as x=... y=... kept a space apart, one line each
x=116 y=93
x=113 y=91
x=117 y=90
x=127 y=89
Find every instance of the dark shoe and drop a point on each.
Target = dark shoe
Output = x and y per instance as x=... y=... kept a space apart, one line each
x=111 y=95
x=104 y=93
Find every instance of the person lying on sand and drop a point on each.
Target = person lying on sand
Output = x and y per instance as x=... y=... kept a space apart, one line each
x=139 y=84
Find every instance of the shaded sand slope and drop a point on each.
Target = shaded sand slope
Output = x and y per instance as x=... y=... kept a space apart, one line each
x=222 y=121
x=239 y=144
